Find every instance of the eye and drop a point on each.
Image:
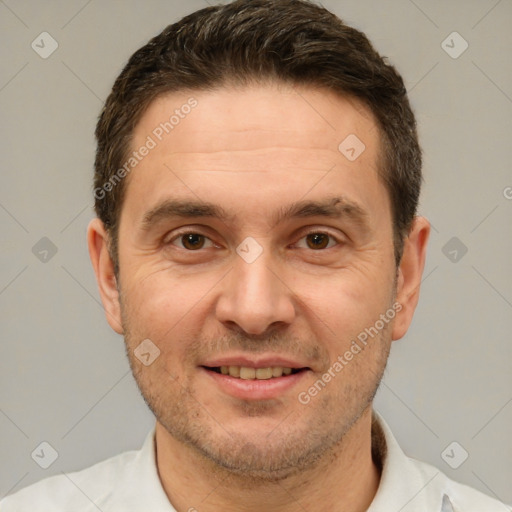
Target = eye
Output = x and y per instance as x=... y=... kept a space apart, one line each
x=318 y=240
x=193 y=241
x=190 y=240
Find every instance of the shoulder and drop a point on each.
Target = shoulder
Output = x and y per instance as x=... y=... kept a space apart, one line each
x=81 y=490
x=411 y=485
x=457 y=497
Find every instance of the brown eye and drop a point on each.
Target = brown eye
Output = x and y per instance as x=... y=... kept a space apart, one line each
x=192 y=241
x=317 y=240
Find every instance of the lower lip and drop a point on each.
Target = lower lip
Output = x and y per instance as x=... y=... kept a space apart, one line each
x=255 y=389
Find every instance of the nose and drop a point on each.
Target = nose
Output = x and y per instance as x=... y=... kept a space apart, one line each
x=253 y=298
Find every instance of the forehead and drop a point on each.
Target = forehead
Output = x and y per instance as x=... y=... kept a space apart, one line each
x=288 y=115
x=263 y=142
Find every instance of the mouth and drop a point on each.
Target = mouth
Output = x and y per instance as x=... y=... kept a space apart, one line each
x=249 y=373
x=269 y=376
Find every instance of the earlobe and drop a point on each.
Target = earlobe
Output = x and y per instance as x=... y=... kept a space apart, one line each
x=410 y=273
x=97 y=241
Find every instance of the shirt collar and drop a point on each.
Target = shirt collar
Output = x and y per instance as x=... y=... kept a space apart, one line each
x=142 y=489
x=405 y=484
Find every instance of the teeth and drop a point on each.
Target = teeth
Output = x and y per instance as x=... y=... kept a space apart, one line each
x=264 y=373
x=234 y=371
x=246 y=373
x=277 y=371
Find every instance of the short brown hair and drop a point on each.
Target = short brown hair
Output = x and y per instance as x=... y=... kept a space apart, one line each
x=291 y=41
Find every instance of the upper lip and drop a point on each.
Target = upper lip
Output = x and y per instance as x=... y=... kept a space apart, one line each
x=260 y=362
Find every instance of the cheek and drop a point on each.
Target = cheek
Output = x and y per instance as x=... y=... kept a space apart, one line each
x=343 y=305
x=166 y=308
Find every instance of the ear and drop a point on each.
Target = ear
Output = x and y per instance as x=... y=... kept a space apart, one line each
x=97 y=240
x=410 y=272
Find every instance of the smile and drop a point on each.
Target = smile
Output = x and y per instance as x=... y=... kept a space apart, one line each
x=248 y=373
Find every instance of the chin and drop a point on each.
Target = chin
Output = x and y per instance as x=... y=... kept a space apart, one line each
x=255 y=465
x=243 y=457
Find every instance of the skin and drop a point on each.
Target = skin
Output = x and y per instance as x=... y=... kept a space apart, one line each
x=253 y=150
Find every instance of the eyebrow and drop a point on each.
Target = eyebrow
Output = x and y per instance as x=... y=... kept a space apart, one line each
x=332 y=207
x=172 y=208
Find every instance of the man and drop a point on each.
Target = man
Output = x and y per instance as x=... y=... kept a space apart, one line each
x=257 y=245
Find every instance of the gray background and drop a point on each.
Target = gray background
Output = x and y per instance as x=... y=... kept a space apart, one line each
x=64 y=377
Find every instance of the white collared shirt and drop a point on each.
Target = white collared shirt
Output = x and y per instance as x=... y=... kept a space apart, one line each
x=129 y=482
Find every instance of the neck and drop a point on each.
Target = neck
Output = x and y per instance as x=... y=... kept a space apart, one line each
x=344 y=479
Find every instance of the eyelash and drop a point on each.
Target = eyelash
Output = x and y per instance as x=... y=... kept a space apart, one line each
x=313 y=232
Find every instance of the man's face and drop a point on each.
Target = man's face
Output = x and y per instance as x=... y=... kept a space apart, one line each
x=258 y=288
